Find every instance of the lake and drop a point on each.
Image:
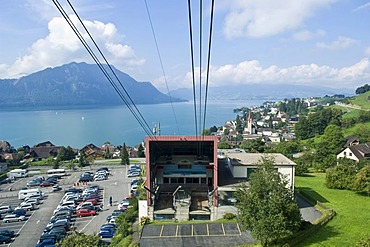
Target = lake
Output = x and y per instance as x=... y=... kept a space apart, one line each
x=116 y=124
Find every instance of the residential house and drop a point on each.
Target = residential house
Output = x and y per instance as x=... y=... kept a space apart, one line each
x=91 y=151
x=356 y=152
x=44 y=150
x=351 y=141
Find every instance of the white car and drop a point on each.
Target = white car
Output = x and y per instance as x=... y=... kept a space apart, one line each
x=13 y=217
x=84 y=204
x=26 y=206
x=100 y=178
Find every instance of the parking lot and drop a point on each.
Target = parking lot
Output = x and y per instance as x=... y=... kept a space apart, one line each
x=116 y=186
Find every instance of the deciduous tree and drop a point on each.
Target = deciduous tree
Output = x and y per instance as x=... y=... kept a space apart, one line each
x=267 y=207
x=125 y=158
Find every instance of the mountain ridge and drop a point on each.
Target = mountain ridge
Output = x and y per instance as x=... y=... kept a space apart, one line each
x=76 y=84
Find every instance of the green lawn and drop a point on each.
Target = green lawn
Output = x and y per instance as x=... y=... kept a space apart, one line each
x=353 y=213
x=362 y=100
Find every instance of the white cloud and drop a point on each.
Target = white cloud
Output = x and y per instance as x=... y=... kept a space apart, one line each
x=341 y=43
x=307 y=35
x=364 y=6
x=367 y=51
x=62 y=46
x=266 y=18
x=252 y=72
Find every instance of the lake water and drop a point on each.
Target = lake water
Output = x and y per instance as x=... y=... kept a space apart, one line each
x=116 y=124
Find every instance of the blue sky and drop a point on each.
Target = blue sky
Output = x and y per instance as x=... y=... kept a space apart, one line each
x=307 y=42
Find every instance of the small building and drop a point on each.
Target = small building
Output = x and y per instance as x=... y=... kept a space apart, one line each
x=44 y=150
x=92 y=151
x=356 y=152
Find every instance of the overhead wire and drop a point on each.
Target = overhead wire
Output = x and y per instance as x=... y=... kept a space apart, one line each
x=110 y=67
x=208 y=62
x=192 y=67
x=101 y=67
x=161 y=63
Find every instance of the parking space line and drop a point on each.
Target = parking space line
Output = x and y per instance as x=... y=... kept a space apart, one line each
x=223 y=229
x=160 y=234
x=237 y=225
x=26 y=222
x=207 y=230
x=87 y=224
x=177 y=229
x=189 y=236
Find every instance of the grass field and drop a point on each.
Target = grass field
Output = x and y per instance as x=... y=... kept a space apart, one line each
x=362 y=100
x=353 y=214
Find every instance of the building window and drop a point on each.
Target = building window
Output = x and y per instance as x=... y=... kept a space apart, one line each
x=350 y=154
x=166 y=180
x=195 y=180
x=345 y=154
x=189 y=180
x=203 y=180
x=173 y=180
x=180 y=180
x=184 y=166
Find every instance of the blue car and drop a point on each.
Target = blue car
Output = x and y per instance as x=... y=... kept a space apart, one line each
x=107 y=231
x=49 y=242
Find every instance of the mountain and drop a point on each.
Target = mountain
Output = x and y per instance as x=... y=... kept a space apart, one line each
x=262 y=91
x=76 y=84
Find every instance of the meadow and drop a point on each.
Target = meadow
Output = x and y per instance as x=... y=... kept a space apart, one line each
x=353 y=216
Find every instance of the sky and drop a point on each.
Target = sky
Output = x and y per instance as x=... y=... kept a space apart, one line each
x=306 y=42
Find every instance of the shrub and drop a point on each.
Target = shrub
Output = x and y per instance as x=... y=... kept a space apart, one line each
x=144 y=220
x=229 y=216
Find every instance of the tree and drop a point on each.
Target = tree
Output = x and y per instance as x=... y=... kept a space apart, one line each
x=82 y=161
x=268 y=207
x=362 y=180
x=77 y=239
x=140 y=151
x=362 y=89
x=253 y=146
x=341 y=177
x=125 y=159
x=66 y=153
x=223 y=145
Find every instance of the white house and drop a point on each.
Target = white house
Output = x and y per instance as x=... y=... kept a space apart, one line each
x=356 y=152
x=242 y=164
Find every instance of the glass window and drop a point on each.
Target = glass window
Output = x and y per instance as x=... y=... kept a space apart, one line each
x=166 y=180
x=195 y=180
x=180 y=180
x=203 y=180
x=173 y=180
x=189 y=180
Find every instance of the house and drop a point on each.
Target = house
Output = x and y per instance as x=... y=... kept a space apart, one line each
x=44 y=150
x=92 y=151
x=243 y=164
x=5 y=147
x=351 y=141
x=356 y=152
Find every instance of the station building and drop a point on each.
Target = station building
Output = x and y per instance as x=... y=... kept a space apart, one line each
x=188 y=179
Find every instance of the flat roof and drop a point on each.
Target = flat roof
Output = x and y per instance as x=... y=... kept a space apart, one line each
x=251 y=159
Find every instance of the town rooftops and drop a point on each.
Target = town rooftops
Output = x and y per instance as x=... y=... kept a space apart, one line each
x=251 y=159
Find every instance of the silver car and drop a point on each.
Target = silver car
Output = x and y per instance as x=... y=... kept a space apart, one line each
x=13 y=217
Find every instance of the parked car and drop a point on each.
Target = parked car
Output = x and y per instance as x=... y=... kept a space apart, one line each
x=34 y=183
x=19 y=211
x=46 y=184
x=48 y=242
x=6 y=232
x=6 y=209
x=5 y=239
x=60 y=223
x=34 y=201
x=73 y=189
x=26 y=206
x=57 y=233
x=107 y=231
x=85 y=212
x=56 y=187
x=100 y=178
x=13 y=217
x=7 y=180
x=133 y=174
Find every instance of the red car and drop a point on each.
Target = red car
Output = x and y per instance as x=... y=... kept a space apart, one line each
x=47 y=184
x=93 y=201
x=85 y=212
